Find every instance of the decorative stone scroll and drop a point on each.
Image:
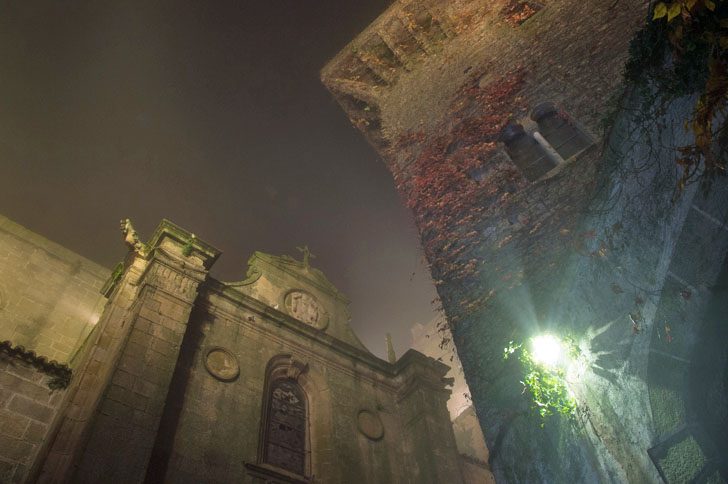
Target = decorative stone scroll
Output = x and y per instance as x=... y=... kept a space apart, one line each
x=221 y=364
x=370 y=425
x=306 y=308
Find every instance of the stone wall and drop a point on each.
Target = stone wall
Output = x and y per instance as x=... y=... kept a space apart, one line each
x=28 y=411
x=211 y=428
x=49 y=296
x=435 y=341
x=594 y=247
x=172 y=384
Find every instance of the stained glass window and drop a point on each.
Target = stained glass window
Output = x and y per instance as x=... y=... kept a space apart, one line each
x=285 y=437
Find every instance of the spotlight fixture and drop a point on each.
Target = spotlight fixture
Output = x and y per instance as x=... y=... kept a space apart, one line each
x=547 y=350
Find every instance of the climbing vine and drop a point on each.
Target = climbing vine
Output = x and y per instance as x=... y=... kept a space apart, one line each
x=683 y=50
x=443 y=186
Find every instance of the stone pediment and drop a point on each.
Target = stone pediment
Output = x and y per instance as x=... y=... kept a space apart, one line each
x=261 y=262
x=300 y=291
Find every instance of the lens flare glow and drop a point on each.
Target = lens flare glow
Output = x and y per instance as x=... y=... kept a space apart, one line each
x=547 y=350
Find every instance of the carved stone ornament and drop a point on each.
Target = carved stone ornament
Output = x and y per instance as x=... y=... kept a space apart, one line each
x=305 y=308
x=131 y=238
x=221 y=364
x=370 y=425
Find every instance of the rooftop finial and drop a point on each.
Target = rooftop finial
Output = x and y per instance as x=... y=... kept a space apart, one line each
x=391 y=357
x=306 y=255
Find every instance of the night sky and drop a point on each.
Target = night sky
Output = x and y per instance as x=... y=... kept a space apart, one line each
x=210 y=114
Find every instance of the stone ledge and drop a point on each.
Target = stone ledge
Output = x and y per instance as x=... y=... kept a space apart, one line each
x=475 y=461
x=282 y=477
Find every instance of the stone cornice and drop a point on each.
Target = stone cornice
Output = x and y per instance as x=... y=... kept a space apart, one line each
x=166 y=228
x=409 y=362
x=279 y=475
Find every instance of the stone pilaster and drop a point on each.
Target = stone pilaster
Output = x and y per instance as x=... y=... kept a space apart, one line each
x=113 y=416
x=422 y=403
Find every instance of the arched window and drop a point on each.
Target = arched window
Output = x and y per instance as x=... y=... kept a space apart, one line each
x=286 y=426
x=284 y=443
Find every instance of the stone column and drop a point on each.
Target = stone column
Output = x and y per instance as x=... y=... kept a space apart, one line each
x=112 y=419
x=428 y=433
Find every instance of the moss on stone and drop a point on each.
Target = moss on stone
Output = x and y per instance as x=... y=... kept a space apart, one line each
x=683 y=461
x=668 y=409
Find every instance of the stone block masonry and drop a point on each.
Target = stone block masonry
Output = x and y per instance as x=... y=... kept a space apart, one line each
x=474 y=96
x=28 y=409
x=49 y=296
x=185 y=379
x=112 y=420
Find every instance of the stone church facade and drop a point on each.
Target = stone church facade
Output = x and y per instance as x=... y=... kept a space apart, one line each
x=174 y=376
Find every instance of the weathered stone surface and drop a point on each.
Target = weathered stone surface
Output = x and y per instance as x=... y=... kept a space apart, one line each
x=222 y=364
x=177 y=380
x=133 y=403
x=211 y=429
x=28 y=409
x=597 y=248
x=370 y=425
x=49 y=296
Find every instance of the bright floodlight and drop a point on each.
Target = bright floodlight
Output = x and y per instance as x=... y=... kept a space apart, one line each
x=546 y=350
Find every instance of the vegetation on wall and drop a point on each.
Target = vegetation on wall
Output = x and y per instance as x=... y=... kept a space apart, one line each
x=683 y=50
x=60 y=374
x=187 y=249
x=546 y=385
x=442 y=185
x=683 y=461
x=117 y=273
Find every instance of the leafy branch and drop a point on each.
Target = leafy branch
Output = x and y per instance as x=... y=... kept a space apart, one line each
x=547 y=386
x=682 y=50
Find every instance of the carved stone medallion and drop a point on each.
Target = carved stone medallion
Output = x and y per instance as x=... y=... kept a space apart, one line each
x=222 y=364
x=304 y=307
x=370 y=425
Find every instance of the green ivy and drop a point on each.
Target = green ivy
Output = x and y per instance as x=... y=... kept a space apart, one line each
x=187 y=249
x=118 y=271
x=546 y=386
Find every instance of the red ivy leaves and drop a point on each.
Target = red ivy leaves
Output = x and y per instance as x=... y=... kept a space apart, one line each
x=441 y=189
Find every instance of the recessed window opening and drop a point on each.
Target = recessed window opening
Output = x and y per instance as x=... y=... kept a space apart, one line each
x=560 y=132
x=527 y=154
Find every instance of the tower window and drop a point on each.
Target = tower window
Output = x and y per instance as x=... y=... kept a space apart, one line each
x=561 y=133
x=527 y=154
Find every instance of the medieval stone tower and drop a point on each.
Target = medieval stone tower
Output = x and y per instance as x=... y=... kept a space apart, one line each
x=537 y=220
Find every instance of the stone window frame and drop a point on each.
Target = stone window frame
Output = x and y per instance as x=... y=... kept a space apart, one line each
x=527 y=150
x=550 y=109
x=528 y=131
x=283 y=367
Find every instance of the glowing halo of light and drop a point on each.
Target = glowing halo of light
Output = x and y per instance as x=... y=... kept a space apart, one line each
x=546 y=350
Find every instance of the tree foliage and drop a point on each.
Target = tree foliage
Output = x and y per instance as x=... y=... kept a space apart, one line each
x=683 y=50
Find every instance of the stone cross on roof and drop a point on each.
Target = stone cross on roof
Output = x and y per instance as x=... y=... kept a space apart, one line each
x=306 y=255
